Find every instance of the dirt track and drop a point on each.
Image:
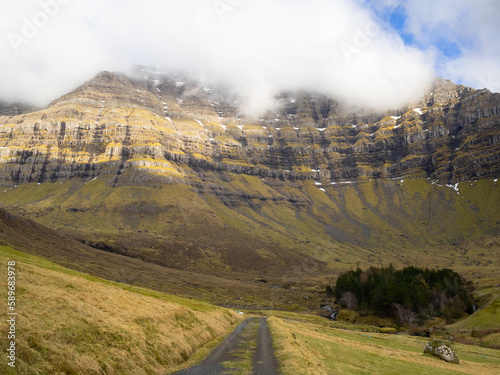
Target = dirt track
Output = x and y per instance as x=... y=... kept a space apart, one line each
x=251 y=335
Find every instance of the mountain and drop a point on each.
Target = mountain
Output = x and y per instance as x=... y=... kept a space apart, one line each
x=114 y=122
x=169 y=170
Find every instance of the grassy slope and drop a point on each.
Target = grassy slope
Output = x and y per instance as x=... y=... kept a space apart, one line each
x=315 y=348
x=371 y=222
x=74 y=323
x=483 y=327
x=486 y=318
x=30 y=237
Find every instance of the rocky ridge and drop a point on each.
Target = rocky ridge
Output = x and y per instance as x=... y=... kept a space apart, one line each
x=172 y=128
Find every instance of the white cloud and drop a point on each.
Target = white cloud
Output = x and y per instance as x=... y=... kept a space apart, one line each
x=257 y=47
x=471 y=25
x=46 y=53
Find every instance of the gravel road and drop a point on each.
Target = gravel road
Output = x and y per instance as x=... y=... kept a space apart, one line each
x=249 y=332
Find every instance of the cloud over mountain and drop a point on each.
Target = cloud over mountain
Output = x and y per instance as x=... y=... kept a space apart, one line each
x=258 y=48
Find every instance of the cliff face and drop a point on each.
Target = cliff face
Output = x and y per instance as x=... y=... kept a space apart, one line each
x=171 y=128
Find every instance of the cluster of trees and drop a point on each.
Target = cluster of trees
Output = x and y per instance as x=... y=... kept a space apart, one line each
x=409 y=294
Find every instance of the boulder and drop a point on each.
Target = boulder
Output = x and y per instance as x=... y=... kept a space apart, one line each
x=442 y=350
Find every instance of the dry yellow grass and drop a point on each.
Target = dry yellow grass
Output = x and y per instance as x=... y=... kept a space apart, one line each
x=304 y=348
x=72 y=325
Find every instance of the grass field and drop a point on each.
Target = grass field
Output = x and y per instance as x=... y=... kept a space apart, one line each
x=73 y=323
x=316 y=348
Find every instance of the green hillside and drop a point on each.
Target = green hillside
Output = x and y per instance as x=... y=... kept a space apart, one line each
x=74 y=323
x=279 y=226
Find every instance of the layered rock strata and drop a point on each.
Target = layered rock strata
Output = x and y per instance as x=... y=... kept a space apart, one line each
x=164 y=127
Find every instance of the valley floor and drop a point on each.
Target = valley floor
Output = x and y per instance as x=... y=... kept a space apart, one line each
x=75 y=323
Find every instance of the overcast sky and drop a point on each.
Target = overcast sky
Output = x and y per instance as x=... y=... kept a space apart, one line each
x=379 y=54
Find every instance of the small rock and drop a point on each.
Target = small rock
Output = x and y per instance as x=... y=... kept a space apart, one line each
x=442 y=350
